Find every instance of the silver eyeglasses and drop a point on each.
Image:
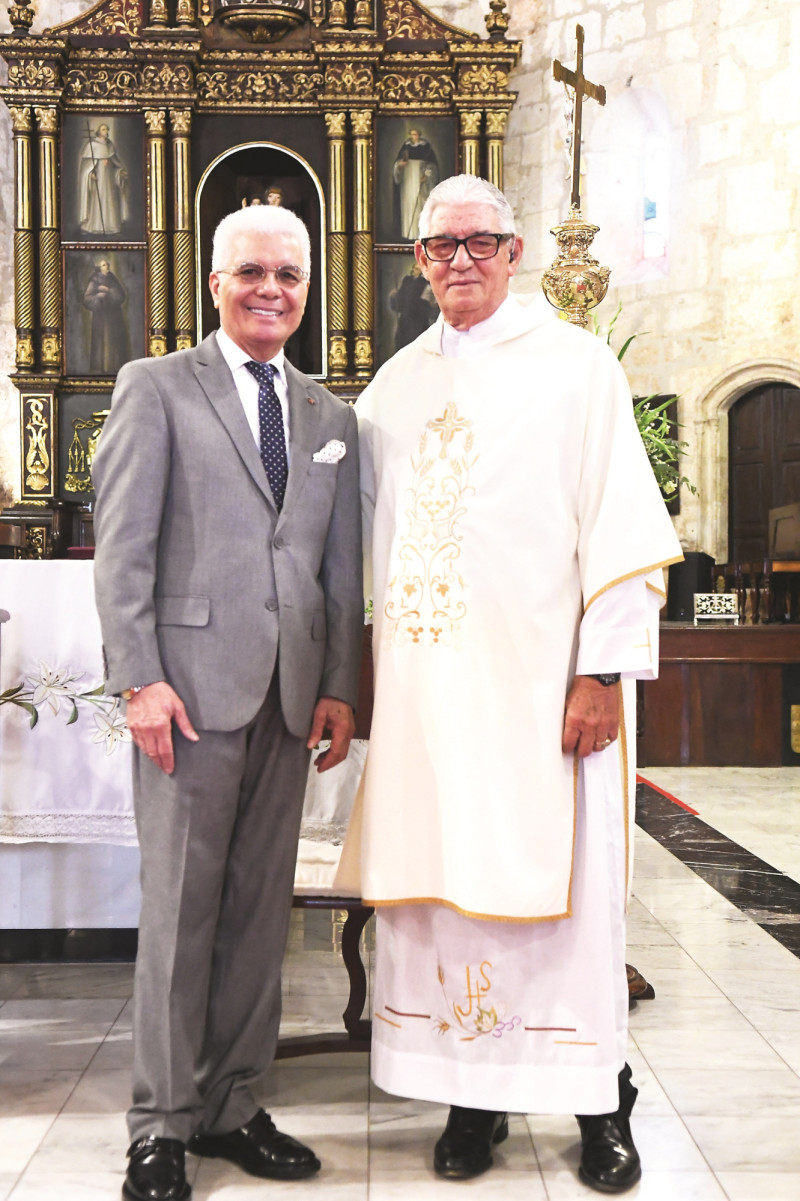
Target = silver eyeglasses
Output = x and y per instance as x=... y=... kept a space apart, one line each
x=441 y=249
x=254 y=273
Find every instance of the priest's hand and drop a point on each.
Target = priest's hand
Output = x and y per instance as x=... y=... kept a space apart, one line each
x=591 y=718
x=151 y=712
x=336 y=720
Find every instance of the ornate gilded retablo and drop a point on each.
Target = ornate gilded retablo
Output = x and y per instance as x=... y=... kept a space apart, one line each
x=262 y=22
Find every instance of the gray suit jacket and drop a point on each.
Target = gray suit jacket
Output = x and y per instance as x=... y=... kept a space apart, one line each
x=199 y=581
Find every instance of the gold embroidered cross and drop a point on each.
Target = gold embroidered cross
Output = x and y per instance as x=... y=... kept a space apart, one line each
x=448 y=425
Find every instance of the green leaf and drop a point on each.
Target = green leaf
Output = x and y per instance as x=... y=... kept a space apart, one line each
x=73 y=717
x=11 y=692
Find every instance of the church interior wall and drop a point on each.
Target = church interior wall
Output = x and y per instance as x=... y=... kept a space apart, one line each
x=712 y=79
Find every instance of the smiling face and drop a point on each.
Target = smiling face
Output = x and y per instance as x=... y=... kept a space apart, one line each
x=467 y=290
x=260 y=317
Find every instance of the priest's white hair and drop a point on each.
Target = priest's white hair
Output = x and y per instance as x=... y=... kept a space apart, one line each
x=467 y=189
x=258 y=219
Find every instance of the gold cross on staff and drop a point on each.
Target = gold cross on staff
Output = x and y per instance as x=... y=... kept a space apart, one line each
x=577 y=80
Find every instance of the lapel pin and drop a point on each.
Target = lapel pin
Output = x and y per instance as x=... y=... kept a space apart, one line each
x=310 y=400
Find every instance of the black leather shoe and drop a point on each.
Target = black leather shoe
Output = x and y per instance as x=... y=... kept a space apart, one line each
x=259 y=1148
x=465 y=1148
x=156 y=1171
x=609 y=1161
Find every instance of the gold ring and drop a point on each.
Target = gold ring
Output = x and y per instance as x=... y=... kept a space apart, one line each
x=601 y=746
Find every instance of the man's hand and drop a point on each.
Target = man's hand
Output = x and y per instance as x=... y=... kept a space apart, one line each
x=591 y=718
x=150 y=715
x=339 y=721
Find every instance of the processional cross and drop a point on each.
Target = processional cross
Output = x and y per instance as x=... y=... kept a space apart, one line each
x=582 y=87
x=576 y=282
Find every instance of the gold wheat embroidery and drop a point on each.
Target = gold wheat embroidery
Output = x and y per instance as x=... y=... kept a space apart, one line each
x=426 y=594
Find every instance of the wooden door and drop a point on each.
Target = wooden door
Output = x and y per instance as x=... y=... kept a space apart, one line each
x=764 y=465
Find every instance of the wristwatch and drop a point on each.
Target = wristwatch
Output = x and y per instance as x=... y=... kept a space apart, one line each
x=611 y=677
x=127 y=693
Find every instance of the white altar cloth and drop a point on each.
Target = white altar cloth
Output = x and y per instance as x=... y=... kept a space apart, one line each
x=66 y=778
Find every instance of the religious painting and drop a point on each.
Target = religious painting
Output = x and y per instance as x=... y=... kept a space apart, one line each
x=256 y=174
x=103 y=178
x=81 y=419
x=404 y=303
x=104 y=310
x=413 y=155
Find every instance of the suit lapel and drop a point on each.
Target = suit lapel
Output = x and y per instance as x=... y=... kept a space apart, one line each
x=214 y=377
x=304 y=422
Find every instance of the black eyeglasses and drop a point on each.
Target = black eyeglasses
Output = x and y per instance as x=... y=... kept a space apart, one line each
x=254 y=273
x=478 y=246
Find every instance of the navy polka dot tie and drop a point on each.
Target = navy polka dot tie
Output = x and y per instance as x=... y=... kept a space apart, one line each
x=272 y=438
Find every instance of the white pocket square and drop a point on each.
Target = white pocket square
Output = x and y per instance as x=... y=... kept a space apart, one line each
x=331 y=452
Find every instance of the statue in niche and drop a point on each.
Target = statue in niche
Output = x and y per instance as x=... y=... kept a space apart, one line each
x=102 y=183
x=104 y=297
x=414 y=173
x=271 y=194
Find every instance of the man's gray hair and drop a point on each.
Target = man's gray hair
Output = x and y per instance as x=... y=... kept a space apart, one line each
x=467 y=189
x=258 y=219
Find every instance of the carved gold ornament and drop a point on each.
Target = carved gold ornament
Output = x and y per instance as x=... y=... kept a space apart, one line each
x=402 y=19
x=38 y=475
x=415 y=85
x=483 y=80
x=33 y=74
x=575 y=282
x=349 y=78
x=86 y=433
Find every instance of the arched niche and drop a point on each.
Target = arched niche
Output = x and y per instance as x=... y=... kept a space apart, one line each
x=627 y=159
x=260 y=172
x=713 y=408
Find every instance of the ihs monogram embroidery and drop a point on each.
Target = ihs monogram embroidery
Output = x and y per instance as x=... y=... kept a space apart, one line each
x=426 y=604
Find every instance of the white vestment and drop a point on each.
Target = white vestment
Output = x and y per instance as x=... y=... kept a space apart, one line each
x=507 y=493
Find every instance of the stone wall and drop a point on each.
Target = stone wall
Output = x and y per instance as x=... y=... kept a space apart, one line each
x=716 y=315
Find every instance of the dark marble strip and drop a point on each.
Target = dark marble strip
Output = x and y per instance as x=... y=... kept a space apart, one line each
x=768 y=896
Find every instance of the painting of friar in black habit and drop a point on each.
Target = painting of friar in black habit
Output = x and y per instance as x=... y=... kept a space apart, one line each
x=412 y=300
x=104 y=310
x=415 y=173
x=105 y=297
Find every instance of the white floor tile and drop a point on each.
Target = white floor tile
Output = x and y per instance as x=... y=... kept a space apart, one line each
x=765 y=1186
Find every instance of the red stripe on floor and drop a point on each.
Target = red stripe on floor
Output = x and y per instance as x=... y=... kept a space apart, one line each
x=668 y=795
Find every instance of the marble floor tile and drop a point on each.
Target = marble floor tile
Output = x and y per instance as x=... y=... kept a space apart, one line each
x=69 y=1186
x=687 y=1047
x=747 y=1141
x=766 y=1186
x=64 y=1148
x=734 y=1091
x=654 y=1186
x=499 y=1184
x=90 y=981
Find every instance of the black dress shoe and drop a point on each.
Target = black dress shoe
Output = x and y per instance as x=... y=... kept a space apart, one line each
x=465 y=1148
x=156 y=1171
x=609 y=1162
x=259 y=1148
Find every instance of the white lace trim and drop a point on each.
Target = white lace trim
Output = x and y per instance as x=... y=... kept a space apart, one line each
x=119 y=828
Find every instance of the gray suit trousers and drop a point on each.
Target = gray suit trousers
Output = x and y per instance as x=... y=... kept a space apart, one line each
x=218 y=842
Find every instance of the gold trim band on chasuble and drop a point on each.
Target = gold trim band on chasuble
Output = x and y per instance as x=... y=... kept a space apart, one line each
x=631 y=575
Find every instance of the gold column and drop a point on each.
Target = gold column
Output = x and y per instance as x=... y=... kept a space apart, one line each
x=158 y=12
x=495 y=133
x=24 y=314
x=182 y=246
x=337 y=246
x=363 y=261
x=470 y=124
x=157 y=251
x=50 y=316
x=363 y=14
x=185 y=12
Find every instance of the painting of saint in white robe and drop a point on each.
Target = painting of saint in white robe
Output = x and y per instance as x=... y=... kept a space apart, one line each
x=102 y=183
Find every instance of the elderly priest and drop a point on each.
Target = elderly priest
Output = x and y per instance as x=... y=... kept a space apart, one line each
x=516 y=537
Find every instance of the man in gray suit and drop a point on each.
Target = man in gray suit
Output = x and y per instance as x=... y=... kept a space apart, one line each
x=228 y=577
